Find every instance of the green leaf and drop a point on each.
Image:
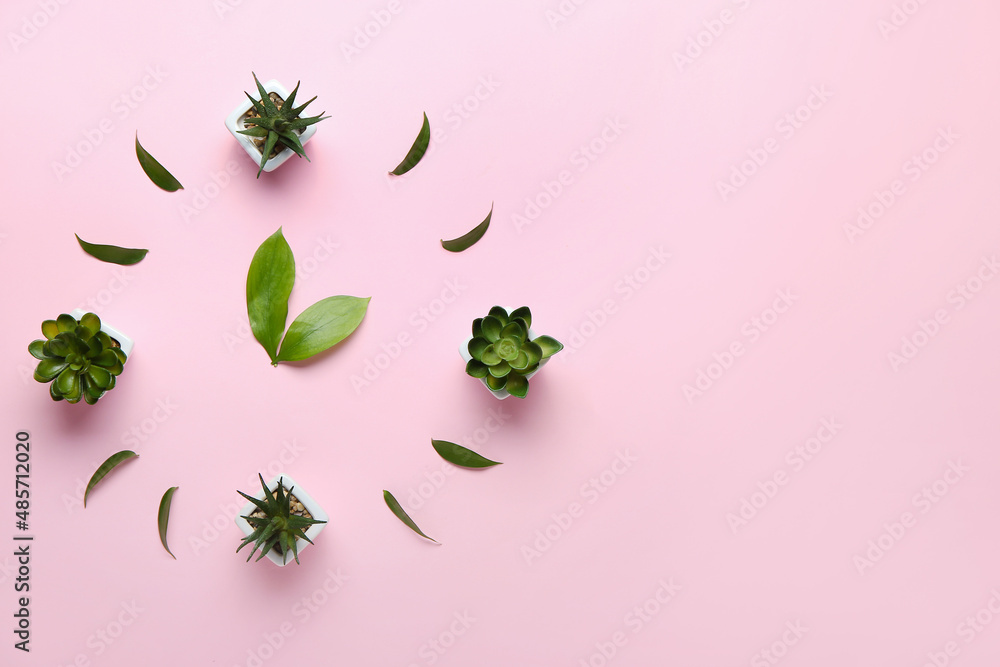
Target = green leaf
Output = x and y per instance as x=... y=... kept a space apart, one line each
x=417 y=150
x=113 y=462
x=476 y=347
x=477 y=369
x=517 y=385
x=91 y=322
x=322 y=325
x=50 y=329
x=164 y=516
x=403 y=516
x=66 y=323
x=549 y=345
x=524 y=313
x=36 y=348
x=161 y=178
x=460 y=456
x=469 y=239
x=498 y=383
x=492 y=328
x=269 y=284
x=48 y=369
x=112 y=254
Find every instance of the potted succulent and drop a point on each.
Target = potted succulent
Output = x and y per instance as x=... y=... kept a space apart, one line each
x=269 y=126
x=281 y=520
x=504 y=351
x=80 y=357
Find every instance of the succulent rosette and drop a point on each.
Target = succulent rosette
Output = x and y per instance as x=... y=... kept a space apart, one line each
x=503 y=352
x=77 y=359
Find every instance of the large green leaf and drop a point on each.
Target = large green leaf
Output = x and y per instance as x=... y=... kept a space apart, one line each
x=112 y=253
x=162 y=178
x=393 y=505
x=113 y=462
x=417 y=150
x=461 y=456
x=322 y=325
x=269 y=283
x=163 y=517
x=468 y=239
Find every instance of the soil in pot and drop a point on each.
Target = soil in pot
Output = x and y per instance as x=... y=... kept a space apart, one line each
x=247 y=120
x=296 y=506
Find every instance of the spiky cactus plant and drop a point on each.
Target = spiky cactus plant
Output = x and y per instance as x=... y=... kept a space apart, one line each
x=274 y=525
x=77 y=358
x=278 y=122
x=502 y=353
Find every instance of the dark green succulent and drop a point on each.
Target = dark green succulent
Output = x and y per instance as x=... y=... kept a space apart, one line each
x=278 y=123
x=77 y=358
x=278 y=529
x=502 y=353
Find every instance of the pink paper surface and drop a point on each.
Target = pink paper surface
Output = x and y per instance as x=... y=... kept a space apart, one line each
x=766 y=233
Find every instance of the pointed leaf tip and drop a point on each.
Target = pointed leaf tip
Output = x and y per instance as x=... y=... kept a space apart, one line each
x=112 y=254
x=461 y=456
x=417 y=150
x=113 y=462
x=156 y=172
x=469 y=239
x=393 y=505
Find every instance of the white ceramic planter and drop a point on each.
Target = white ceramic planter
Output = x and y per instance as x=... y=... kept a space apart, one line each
x=126 y=343
x=463 y=349
x=234 y=122
x=307 y=501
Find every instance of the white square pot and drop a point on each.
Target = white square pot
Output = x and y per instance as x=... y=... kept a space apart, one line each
x=307 y=501
x=463 y=349
x=126 y=343
x=235 y=123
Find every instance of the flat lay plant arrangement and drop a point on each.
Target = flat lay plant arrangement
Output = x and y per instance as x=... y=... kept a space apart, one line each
x=81 y=357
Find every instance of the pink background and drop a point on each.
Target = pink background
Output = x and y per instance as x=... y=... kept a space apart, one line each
x=533 y=91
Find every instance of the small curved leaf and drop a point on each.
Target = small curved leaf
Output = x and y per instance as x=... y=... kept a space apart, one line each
x=161 y=178
x=113 y=462
x=322 y=325
x=112 y=254
x=393 y=505
x=269 y=284
x=164 y=516
x=549 y=345
x=417 y=150
x=461 y=456
x=469 y=239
